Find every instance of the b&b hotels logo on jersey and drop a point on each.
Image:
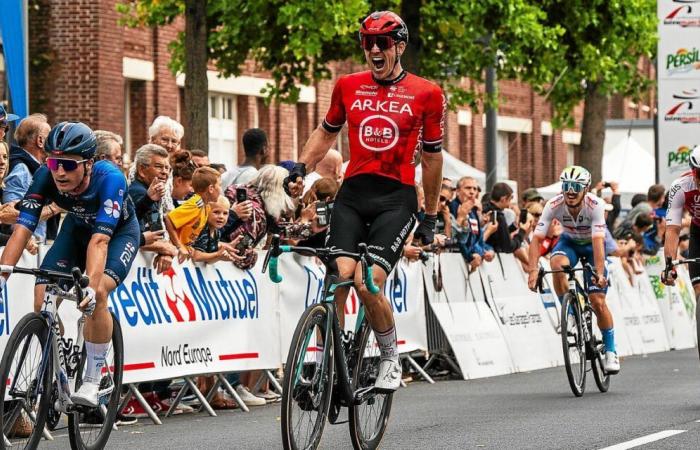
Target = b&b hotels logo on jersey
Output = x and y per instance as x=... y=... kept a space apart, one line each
x=686 y=108
x=685 y=15
x=683 y=61
x=378 y=132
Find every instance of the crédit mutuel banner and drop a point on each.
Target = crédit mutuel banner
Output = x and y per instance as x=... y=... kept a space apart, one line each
x=678 y=72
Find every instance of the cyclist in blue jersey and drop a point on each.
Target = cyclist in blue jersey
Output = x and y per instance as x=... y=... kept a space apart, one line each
x=100 y=217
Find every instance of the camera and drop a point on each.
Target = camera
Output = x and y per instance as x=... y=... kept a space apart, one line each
x=246 y=242
x=523 y=216
x=323 y=213
x=153 y=223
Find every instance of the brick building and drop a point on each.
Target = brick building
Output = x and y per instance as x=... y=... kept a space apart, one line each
x=85 y=66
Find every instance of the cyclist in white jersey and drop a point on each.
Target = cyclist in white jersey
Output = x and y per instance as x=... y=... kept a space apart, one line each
x=684 y=194
x=582 y=216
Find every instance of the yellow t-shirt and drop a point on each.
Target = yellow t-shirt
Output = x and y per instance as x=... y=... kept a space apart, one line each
x=189 y=219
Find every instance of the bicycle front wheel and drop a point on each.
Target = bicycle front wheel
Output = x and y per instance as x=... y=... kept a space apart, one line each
x=25 y=383
x=308 y=381
x=89 y=428
x=369 y=419
x=602 y=378
x=573 y=344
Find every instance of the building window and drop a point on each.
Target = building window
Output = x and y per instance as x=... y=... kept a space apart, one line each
x=502 y=156
x=223 y=148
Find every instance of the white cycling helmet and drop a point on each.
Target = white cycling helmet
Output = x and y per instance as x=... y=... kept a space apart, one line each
x=694 y=158
x=577 y=174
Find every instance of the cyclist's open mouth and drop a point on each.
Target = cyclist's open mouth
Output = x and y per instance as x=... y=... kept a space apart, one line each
x=378 y=62
x=571 y=196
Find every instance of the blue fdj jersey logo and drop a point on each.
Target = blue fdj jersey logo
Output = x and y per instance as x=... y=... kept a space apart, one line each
x=395 y=290
x=314 y=286
x=4 y=314
x=145 y=301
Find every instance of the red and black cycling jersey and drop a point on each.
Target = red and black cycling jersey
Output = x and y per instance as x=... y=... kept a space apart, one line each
x=389 y=124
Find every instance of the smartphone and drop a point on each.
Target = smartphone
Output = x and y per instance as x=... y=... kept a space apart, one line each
x=523 y=216
x=241 y=194
x=322 y=213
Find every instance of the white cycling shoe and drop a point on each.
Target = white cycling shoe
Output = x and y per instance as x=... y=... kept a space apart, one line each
x=611 y=363
x=389 y=377
x=86 y=395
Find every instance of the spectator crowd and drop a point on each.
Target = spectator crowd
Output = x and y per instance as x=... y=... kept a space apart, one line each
x=189 y=208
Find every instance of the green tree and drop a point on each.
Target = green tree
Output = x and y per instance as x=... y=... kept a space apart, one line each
x=291 y=39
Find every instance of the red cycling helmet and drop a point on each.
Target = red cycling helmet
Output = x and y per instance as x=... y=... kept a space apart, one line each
x=384 y=23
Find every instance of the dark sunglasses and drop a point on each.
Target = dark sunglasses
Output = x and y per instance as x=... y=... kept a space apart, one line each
x=536 y=214
x=68 y=165
x=382 y=42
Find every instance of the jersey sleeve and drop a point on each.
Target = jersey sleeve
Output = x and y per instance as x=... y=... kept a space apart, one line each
x=111 y=194
x=35 y=199
x=676 y=203
x=598 y=225
x=335 y=118
x=545 y=220
x=434 y=121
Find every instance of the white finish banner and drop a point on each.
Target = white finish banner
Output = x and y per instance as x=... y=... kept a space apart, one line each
x=678 y=69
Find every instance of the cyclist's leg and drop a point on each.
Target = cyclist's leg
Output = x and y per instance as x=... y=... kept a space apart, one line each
x=346 y=230
x=563 y=254
x=121 y=252
x=694 y=252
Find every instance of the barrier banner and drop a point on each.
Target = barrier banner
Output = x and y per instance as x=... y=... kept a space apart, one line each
x=687 y=294
x=196 y=318
x=17 y=298
x=640 y=309
x=627 y=323
x=303 y=286
x=532 y=341
x=549 y=297
x=679 y=326
x=469 y=324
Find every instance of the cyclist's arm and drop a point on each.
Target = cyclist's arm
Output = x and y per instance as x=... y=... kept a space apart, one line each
x=432 y=179
x=15 y=246
x=320 y=141
x=598 y=228
x=674 y=219
x=431 y=161
x=599 y=254
x=323 y=137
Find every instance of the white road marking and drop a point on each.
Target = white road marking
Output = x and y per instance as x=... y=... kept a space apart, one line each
x=644 y=440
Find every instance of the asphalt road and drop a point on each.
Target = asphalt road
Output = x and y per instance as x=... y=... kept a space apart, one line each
x=654 y=396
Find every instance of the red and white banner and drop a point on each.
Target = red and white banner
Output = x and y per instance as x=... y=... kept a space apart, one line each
x=196 y=319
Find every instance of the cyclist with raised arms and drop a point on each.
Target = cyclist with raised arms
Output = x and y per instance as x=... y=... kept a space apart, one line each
x=684 y=193
x=582 y=216
x=100 y=218
x=395 y=120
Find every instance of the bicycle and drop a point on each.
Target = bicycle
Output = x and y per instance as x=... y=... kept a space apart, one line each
x=36 y=351
x=579 y=342
x=670 y=264
x=313 y=388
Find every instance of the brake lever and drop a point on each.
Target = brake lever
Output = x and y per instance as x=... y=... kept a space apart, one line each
x=273 y=251
x=540 y=280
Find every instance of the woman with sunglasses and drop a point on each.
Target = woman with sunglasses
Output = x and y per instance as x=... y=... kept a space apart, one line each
x=582 y=216
x=99 y=217
x=395 y=122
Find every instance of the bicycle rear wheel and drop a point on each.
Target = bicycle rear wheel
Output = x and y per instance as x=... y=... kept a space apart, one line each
x=368 y=421
x=308 y=383
x=25 y=383
x=89 y=428
x=573 y=344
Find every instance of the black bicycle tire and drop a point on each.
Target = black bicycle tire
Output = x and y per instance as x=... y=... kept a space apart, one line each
x=602 y=380
x=357 y=442
x=298 y=340
x=35 y=324
x=74 y=436
x=577 y=388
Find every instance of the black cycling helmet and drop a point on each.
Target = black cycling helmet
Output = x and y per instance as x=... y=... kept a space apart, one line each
x=71 y=138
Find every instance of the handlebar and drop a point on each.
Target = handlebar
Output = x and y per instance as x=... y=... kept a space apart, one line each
x=79 y=280
x=567 y=270
x=273 y=254
x=672 y=263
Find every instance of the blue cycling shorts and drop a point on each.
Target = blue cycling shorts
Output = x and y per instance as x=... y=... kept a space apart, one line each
x=574 y=252
x=71 y=246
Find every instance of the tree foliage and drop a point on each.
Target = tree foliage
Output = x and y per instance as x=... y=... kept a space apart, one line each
x=293 y=40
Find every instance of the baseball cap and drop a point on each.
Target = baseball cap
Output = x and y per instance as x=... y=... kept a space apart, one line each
x=531 y=194
x=4 y=115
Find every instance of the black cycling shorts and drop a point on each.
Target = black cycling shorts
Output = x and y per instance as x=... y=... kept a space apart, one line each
x=694 y=252
x=375 y=210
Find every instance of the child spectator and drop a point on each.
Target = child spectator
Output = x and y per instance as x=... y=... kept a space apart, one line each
x=186 y=222
x=208 y=247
